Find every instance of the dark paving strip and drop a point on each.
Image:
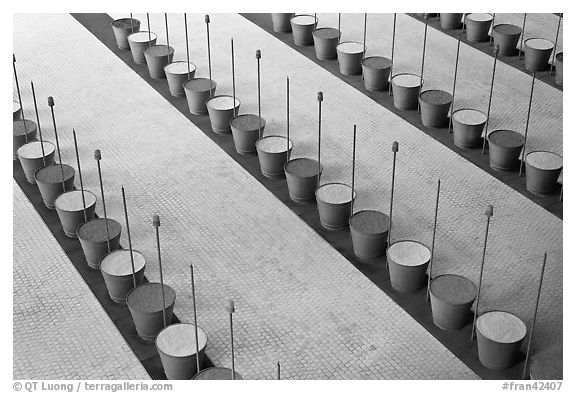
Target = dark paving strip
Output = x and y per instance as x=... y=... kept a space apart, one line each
x=488 y=48
x=119 y=314
x=457 y=342
x=550 y=202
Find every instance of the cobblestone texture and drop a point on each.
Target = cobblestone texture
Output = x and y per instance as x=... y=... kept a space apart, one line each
x=60 y=331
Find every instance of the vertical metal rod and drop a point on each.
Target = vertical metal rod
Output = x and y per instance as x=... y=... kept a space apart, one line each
x=394 y=150
x=489 y=213
x=131 y=24
x=195 y=318
x=40 y=128
x=555 y=44
x=527 y=124
x=156 y=223
x=287 y=119
x=278 y=369
x=320 y=99
x=454 y=84
x=167 y=37
x=522 y=37
x=233 y=79
x=80 y=175
x=433 y=240
x=230 y=308
x=207 y=20
x=98 y=157
x=149 y=33
x=353 y=171
x=20 y=98
x=187 y=44
x=423 y=57
x=534 y=318
x=496 y=50
x=392 y=57
x=339 y=24
x=365 y=22
x=258 y=56
x=129 y=237
x=51 y=105
x=491 y=42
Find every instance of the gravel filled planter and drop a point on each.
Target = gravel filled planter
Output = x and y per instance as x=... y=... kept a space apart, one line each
x=325 y=42
x=176 y=345
x=537 y=52
x=123 y=28
x=478 y=26
x=376 y=71
x=49 y=181
x=369 y=231
x=334 y=202
x=198 y=91
x=500 y=336
x=217 y=373
x=542 y=171
x=70 y=210
x=559 y=77
x=145 y=305
x=434 y=107
x=302 y=28
x=16 y=111
x=177 y=74
x=246 y=131
x=506 y=37
x=21 y=133
x=272 y=155
x=281 y=22
x=405 y=88
x=407 y=262
x=31 y=158
x=547 y=366
x=222 y=109
x=350 y=55
x=158 y=57
x=451 y=298
x=138 y=43
x=302 y=178
x=451 y=21
x=505 y=148
x=92 y=236
x=116 y=268
x=468 y=127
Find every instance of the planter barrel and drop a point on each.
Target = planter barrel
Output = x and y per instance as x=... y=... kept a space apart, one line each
x=542 y=171
x=451 y=21
x=407 y=263
x=49 y=181
x=30 y=156
x=478 y=26
x=198 y=91
x=272 y=155
x=537 y=52
x=468 y=127
x=334 y=205
x=505 y=148
x=500 y=336
x=325 y=42
x=369 y=231
x=158 y=57
x=221 y=110
x=92 y=236
x=138 y=43
x=547 y=365
x=245 y=131
x=559 y=76
x=123 y=28
x=506 y=37
x=17 y=111
x=350 y=55
x=434 y=107
x=405 y=88
x=302 y=28
x=145 y=305
x=20 y=133
x=302 y=178
x=281 y=22
x=451 y=298
x=116 y=268
x=70 y=210
x=376 y=71
x=177 y=74
x=217 y=373
x=176 y=345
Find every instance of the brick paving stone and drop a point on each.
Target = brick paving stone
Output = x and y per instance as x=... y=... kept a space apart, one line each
x=60 y=331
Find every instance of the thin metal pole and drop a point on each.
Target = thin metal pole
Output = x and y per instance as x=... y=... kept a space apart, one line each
x=98 y=157
x=454 y=83
x=156 y=223
x=230 y=308
x=149 y=33
x=233 y=79
x=207 y=21
x=534 y=318
x=423 y=57
x=258 y=56
x=39 y=128
x=527 y=124
x=20 y=98
x=278 y=369
x=555 y=44
x=392 y=57
x=167 y=37
x=187 y=44
x=339 y=25
x=320 y=99
x=394 y=150
x=287 y=119
x=522 y=37
x=51 y=105
x=489 y=213
x=433 y=240
x=491 y=42
x=129 y=237
x=131 y=24
x=496 y=50
x=364 y=44
x=195 y=318
x=80 y=175
x=353 y=171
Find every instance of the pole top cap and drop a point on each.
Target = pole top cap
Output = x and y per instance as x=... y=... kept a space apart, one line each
x=258 y=54
x=13 y=58
x=230 y=306
x=156 y=220
x=207 y=18
x=395 y=146
x=97 y=155
x=320 y=96
x=50 y=101
x=489 y=210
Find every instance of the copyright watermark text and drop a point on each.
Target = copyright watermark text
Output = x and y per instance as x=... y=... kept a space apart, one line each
x=534 y=385
x=84 y=386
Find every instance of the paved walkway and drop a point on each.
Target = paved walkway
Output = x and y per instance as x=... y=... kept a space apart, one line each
x=60 y=331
